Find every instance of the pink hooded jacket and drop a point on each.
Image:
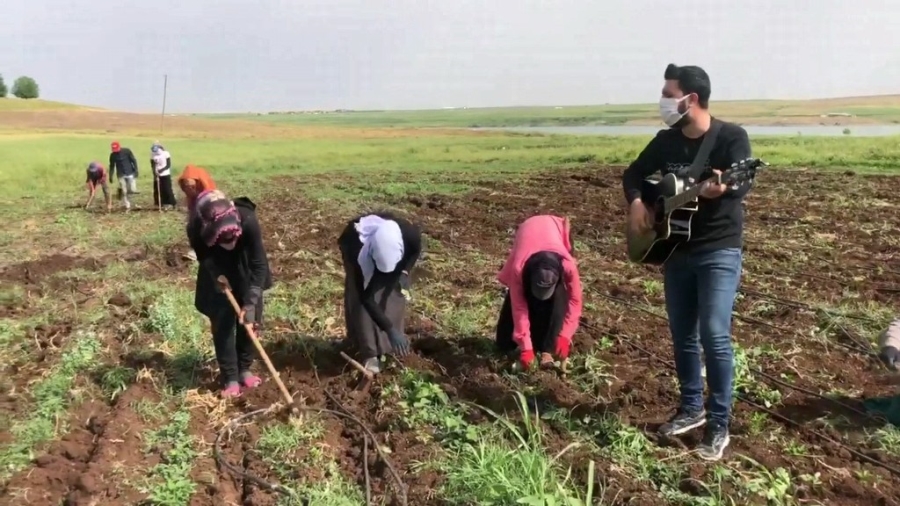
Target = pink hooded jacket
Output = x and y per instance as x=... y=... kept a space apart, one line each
x=541 y=233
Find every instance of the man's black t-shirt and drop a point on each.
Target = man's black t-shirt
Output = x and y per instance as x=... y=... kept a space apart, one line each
x=718 y=223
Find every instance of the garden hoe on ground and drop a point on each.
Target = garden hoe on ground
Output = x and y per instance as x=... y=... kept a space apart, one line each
x=262 y=353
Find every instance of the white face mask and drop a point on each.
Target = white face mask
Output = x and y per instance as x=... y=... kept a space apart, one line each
x=668 y=110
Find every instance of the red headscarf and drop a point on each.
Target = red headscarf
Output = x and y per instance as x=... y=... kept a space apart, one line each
x=199 y=179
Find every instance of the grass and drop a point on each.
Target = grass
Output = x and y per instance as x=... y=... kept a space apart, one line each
x=279 y=445
x=884 y=109
x=51 y=398
x=496 y=464
x=169 y=483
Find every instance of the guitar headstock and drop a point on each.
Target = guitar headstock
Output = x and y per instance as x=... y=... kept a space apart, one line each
x=743 y=171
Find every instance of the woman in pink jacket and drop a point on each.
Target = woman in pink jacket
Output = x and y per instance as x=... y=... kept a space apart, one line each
x=543 y=303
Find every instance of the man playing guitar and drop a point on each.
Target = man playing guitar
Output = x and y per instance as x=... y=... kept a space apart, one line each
x=702 y=276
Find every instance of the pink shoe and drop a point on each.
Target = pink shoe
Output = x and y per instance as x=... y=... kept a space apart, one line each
x=251 y=380
x=231 y=390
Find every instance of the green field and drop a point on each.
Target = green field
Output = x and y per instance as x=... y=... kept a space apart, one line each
x=108 y=391
x=845 y=111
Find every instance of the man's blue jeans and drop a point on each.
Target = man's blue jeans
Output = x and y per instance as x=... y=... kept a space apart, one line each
x=700 y=291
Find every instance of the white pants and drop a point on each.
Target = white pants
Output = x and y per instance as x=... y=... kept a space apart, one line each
x=128 y=186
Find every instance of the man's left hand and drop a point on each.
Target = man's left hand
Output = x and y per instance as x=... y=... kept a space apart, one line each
x=711 y=190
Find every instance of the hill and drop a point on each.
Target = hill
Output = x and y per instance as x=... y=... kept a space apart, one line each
x=15 y=104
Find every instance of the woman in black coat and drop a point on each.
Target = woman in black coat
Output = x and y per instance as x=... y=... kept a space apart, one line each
x=228 y=241
x=379 y=251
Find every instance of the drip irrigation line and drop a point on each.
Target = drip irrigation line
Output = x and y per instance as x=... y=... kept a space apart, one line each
x=366 y=470
x=856 y=345
x=401 y=487
x=779 y=416
x=868 y=351
x=217 y=449
x=783 y=302
x=277 y=487
x=893 y=470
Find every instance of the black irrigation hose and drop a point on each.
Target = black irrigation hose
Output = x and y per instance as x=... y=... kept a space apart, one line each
x=217 y=449
x=366 y=470
x=893 y=470
x=755 y=370
x=401 y=487
x=800 y=305
x=287 y=491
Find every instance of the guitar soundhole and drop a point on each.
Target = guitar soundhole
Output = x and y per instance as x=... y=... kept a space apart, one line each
x=659 y=211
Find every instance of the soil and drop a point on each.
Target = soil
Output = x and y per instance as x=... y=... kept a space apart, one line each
x=811 y=238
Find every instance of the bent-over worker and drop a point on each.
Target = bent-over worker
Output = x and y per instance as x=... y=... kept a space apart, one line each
x=228 y=241
x=96 y=176
x=543 y=302
x=379 y=251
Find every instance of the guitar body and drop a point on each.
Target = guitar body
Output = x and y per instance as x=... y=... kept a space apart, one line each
x=669 y=231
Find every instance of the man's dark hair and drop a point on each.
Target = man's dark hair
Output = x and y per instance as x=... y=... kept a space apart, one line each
x=691 y=79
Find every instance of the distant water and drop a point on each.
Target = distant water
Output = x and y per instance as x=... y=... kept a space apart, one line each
x=810 y=130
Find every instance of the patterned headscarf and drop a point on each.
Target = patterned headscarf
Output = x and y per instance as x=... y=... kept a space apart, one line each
x=220 y=220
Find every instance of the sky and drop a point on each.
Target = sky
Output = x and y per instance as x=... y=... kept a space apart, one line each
x=275 y=55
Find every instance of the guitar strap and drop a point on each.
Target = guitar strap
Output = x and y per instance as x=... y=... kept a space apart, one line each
x=709 y=140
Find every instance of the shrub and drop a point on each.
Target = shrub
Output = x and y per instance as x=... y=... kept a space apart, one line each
x=25 y=87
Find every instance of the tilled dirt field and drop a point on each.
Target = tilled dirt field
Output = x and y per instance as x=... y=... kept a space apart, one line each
x=813 y=240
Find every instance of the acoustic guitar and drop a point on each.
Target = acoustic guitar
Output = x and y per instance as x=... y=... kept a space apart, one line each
x=672 y=202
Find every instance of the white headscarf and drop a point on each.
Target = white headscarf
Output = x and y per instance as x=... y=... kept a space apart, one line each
x=159 y=155
x=382 y=246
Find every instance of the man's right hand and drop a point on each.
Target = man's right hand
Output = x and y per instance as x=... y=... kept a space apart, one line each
x=639 y=217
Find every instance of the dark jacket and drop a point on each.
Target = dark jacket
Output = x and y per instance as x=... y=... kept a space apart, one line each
x=718 y=223
x=122 y=163
x=246 y=266
x=350 y=246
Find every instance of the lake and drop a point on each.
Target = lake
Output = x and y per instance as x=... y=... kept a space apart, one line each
x=811 y=130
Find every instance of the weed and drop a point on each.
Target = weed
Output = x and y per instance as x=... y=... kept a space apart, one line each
x=491 y=471
x=169 y=482
x=183 y=337
x=115 y=379
x=886 y=439
x=424 y=403
x=52 y=396
x=747 y=384
x=290 y=447
x=756 y=425
x=773 y=485
x=589 y=372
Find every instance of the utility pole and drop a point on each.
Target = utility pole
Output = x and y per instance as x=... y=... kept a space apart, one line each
x=162 y=117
